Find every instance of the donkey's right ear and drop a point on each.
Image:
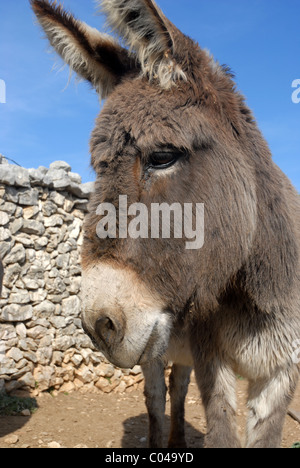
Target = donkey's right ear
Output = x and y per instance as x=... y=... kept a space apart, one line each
x=94 y=56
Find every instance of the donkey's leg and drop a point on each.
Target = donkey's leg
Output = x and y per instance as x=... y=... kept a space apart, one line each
x=155 y=393
x=268 y=404
x=217 y=385
x=179 y=382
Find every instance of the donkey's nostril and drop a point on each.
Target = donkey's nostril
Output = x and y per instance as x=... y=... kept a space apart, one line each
x=106 y=330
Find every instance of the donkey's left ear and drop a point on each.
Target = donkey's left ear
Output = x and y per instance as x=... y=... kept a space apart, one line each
x=150 y=34
x=95 y=57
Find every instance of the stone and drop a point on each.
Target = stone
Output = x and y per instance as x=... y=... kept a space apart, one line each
x=71 y=306
x=12 y=439
x=44 y=259
x=22 y=177
x=28 y=380
x=122 y=387
x=19 y=212
x=57 y=199
x=16 y=313
x=84 y=374
x=25 y=240
x=30 y=255
x=12 y=273
x=57 y=298
x=83 y=341
x=83 y=190
x=30 y=283
x=56 y=286
x=68 y=205
x=21 y=330
x=41 y=243
x=54 y=273
x=54 y=445
x=62 y=261
x=44 y=377
x=7 y=367
x=36 y=176
x=44 y=355
x=30 y=356
x=67 y=387
x=63 y=343
x=7 y=332
x=53 y=221
x=4 y=218
x=38 y=296
x=9 y=208
x=11 y=194
x=60 y=165
x=49 y=208
x=57 y=179
x=31 y=226
x=30 y=212
x=15 y=354
x=76 y=178
x=47 y=340
x=16 y=225
x=29 y=197
x=19 y=297
x=58 y=322
x=7 y=174
x=37 y=332
x=44 y=309
x=13 y=385
x=106 y=370
x=57 y=358
x=136 y=370
x=105 y=386
x=75 y=286
x=77 y=359
x=5 y=234
x=5 y=248
x=17 y=255
x=75 y=229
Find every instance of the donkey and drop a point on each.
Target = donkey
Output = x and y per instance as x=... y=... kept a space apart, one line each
x=174 y=129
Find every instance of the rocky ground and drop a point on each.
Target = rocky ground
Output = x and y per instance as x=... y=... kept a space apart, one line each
x=112 y=421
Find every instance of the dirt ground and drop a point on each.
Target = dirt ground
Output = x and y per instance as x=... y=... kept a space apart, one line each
x=113 y=421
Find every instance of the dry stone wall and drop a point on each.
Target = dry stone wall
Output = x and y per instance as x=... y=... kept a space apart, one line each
x=42 y=344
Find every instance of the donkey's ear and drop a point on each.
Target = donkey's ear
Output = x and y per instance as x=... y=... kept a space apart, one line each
x=96 y=57
x=149 y=33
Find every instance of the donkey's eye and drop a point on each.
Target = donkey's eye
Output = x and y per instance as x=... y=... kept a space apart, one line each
x=163 y=160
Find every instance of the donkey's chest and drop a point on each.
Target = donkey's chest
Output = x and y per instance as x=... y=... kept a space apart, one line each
x=179 y=350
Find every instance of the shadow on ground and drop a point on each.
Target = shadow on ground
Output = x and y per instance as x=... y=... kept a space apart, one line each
x=11 y=409
x=136 y=427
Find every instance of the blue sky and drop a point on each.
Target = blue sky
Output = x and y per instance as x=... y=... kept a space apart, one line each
x=43 y=120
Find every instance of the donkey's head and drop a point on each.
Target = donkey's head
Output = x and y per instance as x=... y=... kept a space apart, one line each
x=173 y=130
